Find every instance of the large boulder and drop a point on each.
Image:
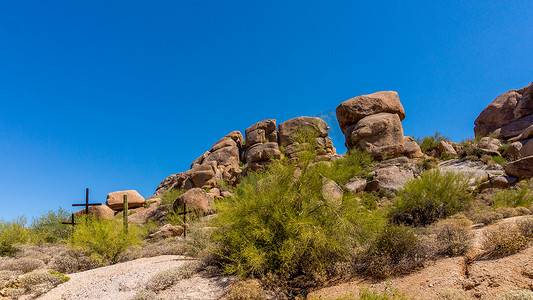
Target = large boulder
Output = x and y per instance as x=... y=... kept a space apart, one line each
x=259 y=155
x=519 y=149
x=508 y=115
x=261 y=132
x=289 y=131
x=380 y=134
x=99 y=211
x=196 y=199
x=166 y=184
x=476 y=170
x=411 y=148
x=115 y=200
x=391 y=179
x=522 y=168
x=357 y=108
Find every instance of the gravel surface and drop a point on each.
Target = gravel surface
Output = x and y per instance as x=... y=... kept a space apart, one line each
x=123 y=280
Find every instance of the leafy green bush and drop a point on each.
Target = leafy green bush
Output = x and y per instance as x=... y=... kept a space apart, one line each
x=11 y=233
x=279 y=223
x=434 y=195
x=104 y=239
x=48 y=228
x=431 y=142
x=513 y=198
x=169 y=196
x=470 y=147
x=395 y=250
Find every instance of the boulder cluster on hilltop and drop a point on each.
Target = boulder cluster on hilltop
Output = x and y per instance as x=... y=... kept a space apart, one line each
x=510 y=118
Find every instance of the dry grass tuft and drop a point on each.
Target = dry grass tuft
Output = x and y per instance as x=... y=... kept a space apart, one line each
x=245 y=290
x=165 y=279
x=22 y=264
x=505 y=239
x=453 y=236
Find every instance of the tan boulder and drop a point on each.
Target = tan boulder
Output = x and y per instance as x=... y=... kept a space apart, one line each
x=196 y=199
x=508 y=115
x=331 y=191
x=446 y=147
x=489 y=144
x=380 y=134
x=411 y=148
x=498 y=182
x=115 y=200
x=390 y=179
x=261 y=154
x=166 y=184
x=522 y=168
x=356 y=185
x=261 y=132
x=167 y=231
x=513 y=150
x=99 y=211
x=290 y=130
x=357 y=108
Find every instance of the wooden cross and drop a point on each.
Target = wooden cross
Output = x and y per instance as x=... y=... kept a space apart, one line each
x=87 y=204
x=71 y=222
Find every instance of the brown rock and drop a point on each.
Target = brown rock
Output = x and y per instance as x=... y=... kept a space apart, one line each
x=513 y=150
x=356 y=185
x=260 y=154
x=390 y=179
x=526 y=134
x=99 y=211
x=167 y=231
x=115 y=200
x=522 y=168
x=202 y=176
x=289 y=130
x=152 y=213
x=508 y=115
x=195 y=198
x=446 y=148
x=261 y=132
x=490 y=144
x=380 y=134
x=331 y=191
x=351 y=111
x=498 y=182
x=411 y=148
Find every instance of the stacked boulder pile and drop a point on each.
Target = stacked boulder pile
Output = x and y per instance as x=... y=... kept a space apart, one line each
x=510 y=118
x=373 y=123
x=265 y=141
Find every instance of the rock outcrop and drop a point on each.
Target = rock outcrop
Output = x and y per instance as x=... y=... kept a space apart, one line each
x=411 y=148
x=293 y=135
x=115 y=200
x=507 y=116
x=373 y=123
x=261 y=144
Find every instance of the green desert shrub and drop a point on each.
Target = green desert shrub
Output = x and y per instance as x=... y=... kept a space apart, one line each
x=11 y=233
x=169 y=196
x=431 y=142
x=279 y=223
x=514 y=197
x=105 y=240
x=48 y=228
x=434 y=195
x=395 y=250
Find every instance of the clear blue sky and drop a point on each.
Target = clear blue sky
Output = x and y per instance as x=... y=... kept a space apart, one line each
x=116 y=95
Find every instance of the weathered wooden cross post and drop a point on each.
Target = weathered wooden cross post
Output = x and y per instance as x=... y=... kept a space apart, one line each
x=87 y=204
